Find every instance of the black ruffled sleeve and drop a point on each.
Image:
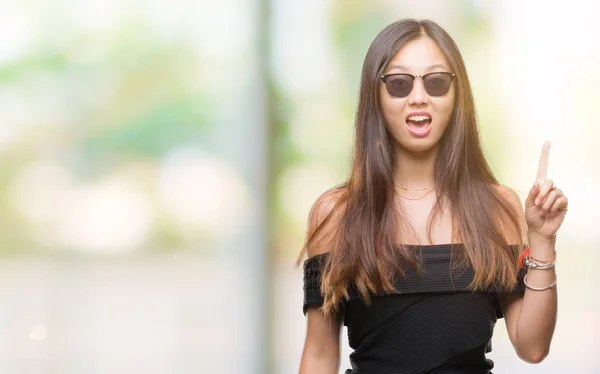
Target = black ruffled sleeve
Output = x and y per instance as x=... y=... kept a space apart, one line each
x=313 y=268
x=436 y=278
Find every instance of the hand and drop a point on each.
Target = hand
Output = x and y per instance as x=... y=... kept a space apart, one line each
x=546 y=205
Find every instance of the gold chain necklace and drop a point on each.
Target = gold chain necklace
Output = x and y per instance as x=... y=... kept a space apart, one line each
x=415 y=198
x=413 y=189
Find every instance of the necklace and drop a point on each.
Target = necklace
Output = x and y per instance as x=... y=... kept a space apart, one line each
x=413 y=189
x=415 y=198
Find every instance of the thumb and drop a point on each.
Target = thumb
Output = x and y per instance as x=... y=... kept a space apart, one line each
x=533 y=192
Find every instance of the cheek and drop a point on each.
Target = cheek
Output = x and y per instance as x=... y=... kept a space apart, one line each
x=392 y=109
x=445 y=108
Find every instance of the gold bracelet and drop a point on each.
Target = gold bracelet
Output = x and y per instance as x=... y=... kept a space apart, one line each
x=536 y=288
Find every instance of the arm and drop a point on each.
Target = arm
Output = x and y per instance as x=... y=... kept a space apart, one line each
x=321 y=352
x=531 y=318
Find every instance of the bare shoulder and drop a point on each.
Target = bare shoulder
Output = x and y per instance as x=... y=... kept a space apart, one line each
x=323 y=219
x=511 y=232
x=325 y=204
x=510 y=195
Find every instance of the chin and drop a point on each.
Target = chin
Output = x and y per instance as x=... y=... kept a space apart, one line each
x=419 y=146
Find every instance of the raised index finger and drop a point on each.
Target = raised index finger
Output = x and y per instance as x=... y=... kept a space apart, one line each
x=543 y=165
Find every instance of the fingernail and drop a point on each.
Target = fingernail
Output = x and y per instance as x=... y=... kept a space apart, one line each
x=537 y=201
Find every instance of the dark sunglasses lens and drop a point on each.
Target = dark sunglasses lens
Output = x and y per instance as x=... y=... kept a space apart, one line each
x=438 y=84
x=399 y=85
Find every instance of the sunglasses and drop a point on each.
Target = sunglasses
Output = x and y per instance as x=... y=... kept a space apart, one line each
x=400 y=85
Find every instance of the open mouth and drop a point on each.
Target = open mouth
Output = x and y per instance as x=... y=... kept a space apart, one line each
x=419 y=125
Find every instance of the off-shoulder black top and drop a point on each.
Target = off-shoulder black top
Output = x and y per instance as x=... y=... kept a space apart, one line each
x=432 y=325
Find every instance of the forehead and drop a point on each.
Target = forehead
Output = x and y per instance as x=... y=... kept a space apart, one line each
x=418 y=56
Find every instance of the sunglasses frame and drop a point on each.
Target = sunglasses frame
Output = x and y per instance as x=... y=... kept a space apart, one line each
x=384 y=77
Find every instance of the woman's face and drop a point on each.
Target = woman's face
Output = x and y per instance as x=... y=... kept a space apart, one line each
x=417 y=121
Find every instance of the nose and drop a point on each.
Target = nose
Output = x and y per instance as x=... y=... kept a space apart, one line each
x=418 y=96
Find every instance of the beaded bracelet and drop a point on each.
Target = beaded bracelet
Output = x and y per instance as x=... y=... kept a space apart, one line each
x=535 y=263
x=535 y=259
x=536 y=288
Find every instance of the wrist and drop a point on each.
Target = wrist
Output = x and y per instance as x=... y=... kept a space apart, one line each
x=542 y=247
x=540 y=239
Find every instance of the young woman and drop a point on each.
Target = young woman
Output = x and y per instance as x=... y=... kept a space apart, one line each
x=422 y=250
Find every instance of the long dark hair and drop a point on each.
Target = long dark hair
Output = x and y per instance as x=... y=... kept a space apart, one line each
x=363 y=247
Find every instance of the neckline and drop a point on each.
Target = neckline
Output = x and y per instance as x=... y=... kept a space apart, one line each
x=433 y=245
x=441 y=245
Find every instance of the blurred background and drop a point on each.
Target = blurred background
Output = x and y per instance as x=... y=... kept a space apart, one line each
x=158 y=161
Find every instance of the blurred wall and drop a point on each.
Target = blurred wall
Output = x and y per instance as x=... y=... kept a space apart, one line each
x=158 y=161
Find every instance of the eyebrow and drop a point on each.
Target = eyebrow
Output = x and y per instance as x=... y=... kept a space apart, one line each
x=434 y=66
